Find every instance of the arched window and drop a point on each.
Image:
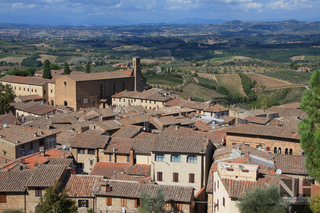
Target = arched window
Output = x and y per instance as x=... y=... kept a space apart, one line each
x=65 y=103
x=279 y=150
x=159 y=157
x=291 y=152
x=175 y=158
x=275 y=150
x=191 y=159
x=286 y=151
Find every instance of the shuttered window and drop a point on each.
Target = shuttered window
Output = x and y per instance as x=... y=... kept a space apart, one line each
x=179 y=206
x=3 y=198
x=123 y=202
x=159 y=176
x=175 y=177
x=109 y=201
x=191 y=178
x=136 y=203
x=223 y=202
x=38 y=192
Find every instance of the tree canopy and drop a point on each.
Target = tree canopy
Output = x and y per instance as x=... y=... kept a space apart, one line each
x=66 y=69
x=88 y=67
x=262 y=200
x=6 y=97
x=151 y=203
x=309 y=127
x=54 y=201
x=46 y=70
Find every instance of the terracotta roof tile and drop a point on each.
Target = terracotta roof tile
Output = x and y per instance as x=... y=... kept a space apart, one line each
x=215 y=108
x=46 y=175
x=257 y=120
x=98 y=76
x=107 y=169
x=128 y=131
x=121 y=145
x=14 y=181
x=135 y=190
x=25 y=80
x=109 y=125
x=140 y=169
x=133 y=120
x=165 y=121
x=173 y=110
x=9 y=119
x=83 y=185
x=90 y=141
x=294 y=105
x=61 y=161
x=179 y=144
x=146 y=135
x=36 y=108
x=202 y=126
x=29 y=98
x=291 y=164
x=143 y=146
x=271 y=131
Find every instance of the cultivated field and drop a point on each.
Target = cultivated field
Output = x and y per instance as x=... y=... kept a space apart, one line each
x=286 y=95
x=13 y=59
x=267 y=82
x=207 y=75
x=195 y=90
x=297 y=58
x=51 y=58
x=42 y=45
x=232 y=82
x=230 y=58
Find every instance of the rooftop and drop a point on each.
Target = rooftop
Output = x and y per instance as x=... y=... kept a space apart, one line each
x=26 y=80
x=83 y=185
x=98 y=76
x=90 y=141
x=128 y=131
x=46 y=175
x=291 y=164
x=215 y=108
x=120 y=145
x=14 y=181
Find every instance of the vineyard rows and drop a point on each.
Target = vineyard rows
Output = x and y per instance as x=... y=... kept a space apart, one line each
x=286 y=95
x=208 y=83
x=290 y=76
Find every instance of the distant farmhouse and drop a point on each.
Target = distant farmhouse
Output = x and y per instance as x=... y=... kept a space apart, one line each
x=81 y=90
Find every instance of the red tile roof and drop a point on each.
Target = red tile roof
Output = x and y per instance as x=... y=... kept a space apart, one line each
x=29 y=98
x=83 y=185
x=90 y=141
x=140 y=169
x=107 y=169
x=46 y=175
x=128 y=131
x=121 y=145
x=98 y=76
x=215 y=108
x=146 y=135
x=202 y=126
x=270 y=131
x=9 y=119
x=291 y=164
x=294 y=105
x=257 y=120
x=14 y=181
x=35 y=108
x=143 y=146
x=25 y=80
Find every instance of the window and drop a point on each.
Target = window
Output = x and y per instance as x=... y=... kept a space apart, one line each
x=291 y=152
x=286 y=151
x=91 y=162
x=28 y=89
x=81 y=151
x=214 y=186
x=24 y=89
x=83 y=203
x=175 y=158
x=275 y=150
x=35 y=90
x=38 y=192
x=15 y=88
x=128 y=158
x=224 y=202
x=124 y=100
x=51 y=91
x=91 y=151
x=3 y=198
x=218 y=184
x=44 y=92
x=150 y=101
x=85 y=101
x=109 y=201
x=110 y=157
x=159 y=157
x=279 y=150
x=154 y=102
x=146 y=101
x=191 y=178
x=191 y=159
x=19 y=88
x=65 y=83
x=175 y=177
x=159 y=176
x=123 y=202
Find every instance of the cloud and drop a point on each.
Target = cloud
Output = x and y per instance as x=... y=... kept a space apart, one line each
x=291 y=4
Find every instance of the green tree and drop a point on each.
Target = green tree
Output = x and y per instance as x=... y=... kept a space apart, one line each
x=56 y=201
x=88 y=67
x=46 y=70
x=55 y=67
x=13 y=211
x=262 y=200
x=315 y=203
x=6 y=97
x=66 y=69
x=309 y=127
x=152 y=204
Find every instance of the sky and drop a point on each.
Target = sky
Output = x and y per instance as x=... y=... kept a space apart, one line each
x=109 y=12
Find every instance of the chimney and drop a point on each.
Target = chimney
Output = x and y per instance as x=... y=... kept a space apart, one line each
x=114 y=155
x=100 y=117
x=115 y=175
x=43 y=153
x=131 y=157
x=63 y=155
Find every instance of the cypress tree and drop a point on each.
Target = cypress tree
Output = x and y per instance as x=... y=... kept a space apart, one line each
x=309 y=127
x=66 y=69
x=46 y=70
x=88 y=67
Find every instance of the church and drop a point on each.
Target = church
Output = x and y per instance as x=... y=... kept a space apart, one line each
x=82 y=90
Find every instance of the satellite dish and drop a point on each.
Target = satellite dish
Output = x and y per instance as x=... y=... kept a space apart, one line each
x=4 y=125
x=64 y=147
x=279 y=172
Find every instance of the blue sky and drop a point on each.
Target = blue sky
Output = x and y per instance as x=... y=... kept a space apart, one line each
x=153 y=11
